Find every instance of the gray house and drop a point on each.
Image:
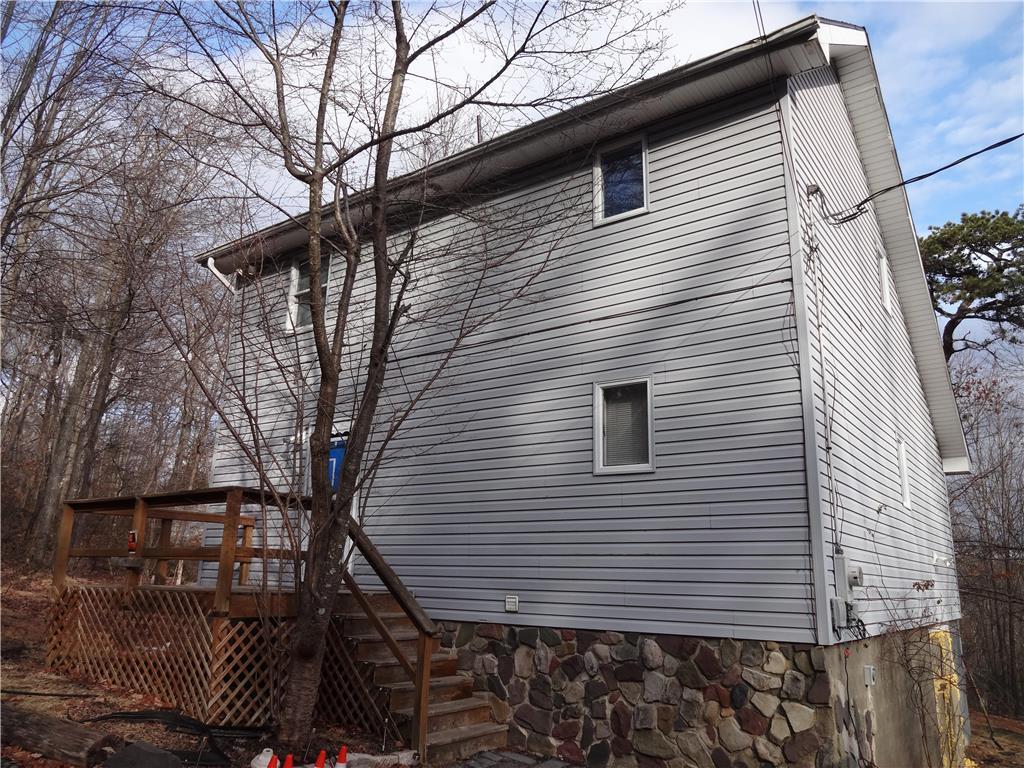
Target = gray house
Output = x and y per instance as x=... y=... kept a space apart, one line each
x=683 y=500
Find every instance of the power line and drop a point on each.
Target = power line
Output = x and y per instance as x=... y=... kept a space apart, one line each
x=859 y=209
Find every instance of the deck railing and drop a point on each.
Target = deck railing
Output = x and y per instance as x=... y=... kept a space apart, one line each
x=167 y=509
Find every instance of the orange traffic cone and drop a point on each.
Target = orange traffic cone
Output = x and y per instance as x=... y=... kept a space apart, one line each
x=288 y=761
x=342 y=761
x=321 y=759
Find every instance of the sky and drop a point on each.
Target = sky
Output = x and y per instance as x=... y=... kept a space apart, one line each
x=952 y=77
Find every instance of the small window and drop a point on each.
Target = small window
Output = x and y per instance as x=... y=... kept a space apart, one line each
x=901 y=452
x=623 y=427
x=300 y=311
x=620 y=181
x=885 y=292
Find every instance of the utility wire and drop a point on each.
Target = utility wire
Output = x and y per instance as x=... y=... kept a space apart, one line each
x=858 y=209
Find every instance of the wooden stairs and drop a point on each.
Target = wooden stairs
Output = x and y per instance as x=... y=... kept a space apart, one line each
x=459 y=721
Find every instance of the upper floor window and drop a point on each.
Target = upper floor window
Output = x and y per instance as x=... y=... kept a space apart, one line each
x=885 y=290
x=620 y=180
x=300 y=313
x=623 y=427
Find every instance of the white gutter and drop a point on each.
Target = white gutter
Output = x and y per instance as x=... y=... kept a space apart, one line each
x=212 y=266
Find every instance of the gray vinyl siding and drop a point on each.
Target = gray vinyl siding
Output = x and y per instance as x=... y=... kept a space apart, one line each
x=489 y=488
x=866 y=387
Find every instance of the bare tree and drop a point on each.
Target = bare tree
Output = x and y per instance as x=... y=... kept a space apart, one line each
x=345 y=96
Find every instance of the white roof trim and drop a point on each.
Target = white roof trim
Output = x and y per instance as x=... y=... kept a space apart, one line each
x=858 y=78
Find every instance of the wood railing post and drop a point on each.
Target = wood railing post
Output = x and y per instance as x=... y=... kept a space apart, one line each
x=243 y=569
x=139 y=520
x=228 y=544
x=60 y=562
x=421 y=706
x=164 y=543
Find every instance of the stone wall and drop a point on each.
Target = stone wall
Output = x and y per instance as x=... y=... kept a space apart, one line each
x=613 y=700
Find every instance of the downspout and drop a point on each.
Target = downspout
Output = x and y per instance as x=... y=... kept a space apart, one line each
x=210 y=265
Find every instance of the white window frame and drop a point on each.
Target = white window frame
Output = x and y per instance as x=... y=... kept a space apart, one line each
x=599 y=217
x=884 y=288
x=904 y=470
x=598 y=436
x=292 y=320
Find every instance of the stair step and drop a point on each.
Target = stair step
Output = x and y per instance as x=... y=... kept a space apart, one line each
x=445 y=715
x=390 y=671
x=381 y=602
x=447 y=688
x=373 y=648
x=453 y=744
x=360 y=623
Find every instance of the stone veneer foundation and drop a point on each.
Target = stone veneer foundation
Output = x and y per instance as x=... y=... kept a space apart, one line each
x=626 y=700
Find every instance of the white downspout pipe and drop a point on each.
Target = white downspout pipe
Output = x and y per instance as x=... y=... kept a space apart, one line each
x=210 y=265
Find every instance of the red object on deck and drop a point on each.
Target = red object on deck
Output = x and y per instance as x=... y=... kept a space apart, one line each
x=133 y=540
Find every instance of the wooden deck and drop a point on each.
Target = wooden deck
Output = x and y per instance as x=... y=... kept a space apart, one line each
x=220 y=652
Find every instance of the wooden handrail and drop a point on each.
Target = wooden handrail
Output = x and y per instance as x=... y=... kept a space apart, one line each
x=378 y=624
x=405 y=599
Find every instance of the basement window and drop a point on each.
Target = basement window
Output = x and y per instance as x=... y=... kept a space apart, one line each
x=620 y=181
x=300 y=312
x=623 y=427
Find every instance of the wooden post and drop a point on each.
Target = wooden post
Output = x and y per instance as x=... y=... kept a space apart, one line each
x=228 y=543
x=420 y=713
x=60 y=562
x=243 y=569
x=139 y=521
x=164 y=543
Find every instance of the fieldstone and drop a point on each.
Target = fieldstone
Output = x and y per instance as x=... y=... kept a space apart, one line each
x=645 y=716
x=690 y=676
x=621 y=719
x=765 y=703
x=800 y=746
x=653 y=743
x=729 y=651
x=567 y=634
x=599 y=754
x=768 y=751
x=820 y=692
x=717 y=693
x=680 y=647
x=540 y=697
x=488 y=664
x=732 y=737
x=570 y=752
x=465 y=634
x=517 y=691
x=621 y=747
x=602 y=652
x=516 y=736
x=550 y=636
x=793 y=684
x=721 y=758
x=625 y=652
x=590 y=663
x=752 y=654
x=752 y=721
x=631 y=671
x=776 y=663
x=501 y=710
x=802 y=660
x=799 y=716
x=631 y=691
x=492 y=631
x=708 y=662
x=654 y=686
x=558 y=680
x=536 y=720
x=585 y=638
x=523 y=661
x=466 y=659
x=646 y=761
x=587 y=732
x=651 y=654
x=574 y=692
x=731 y=676
x=572 y=712
x=666 y=718
x=602 y=730
x=692 y=746
x=673 y=691
x=691 y=708
x=761 y=681
x=528 y=636
x=608 y=675
x=542 y=658
x=541 y=745
x=573 y=666
x=506 y=668
x=818 y=658
x=771 y=645
x=738 y=695
x=594 y=689
x=599 y=709
x=712 y=713
x=611 y=638
x=779 y=729
x=670 y=665
x=495 y=686
x=479 y=644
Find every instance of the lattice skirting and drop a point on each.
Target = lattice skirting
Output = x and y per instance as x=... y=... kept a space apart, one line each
x=221 y=671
